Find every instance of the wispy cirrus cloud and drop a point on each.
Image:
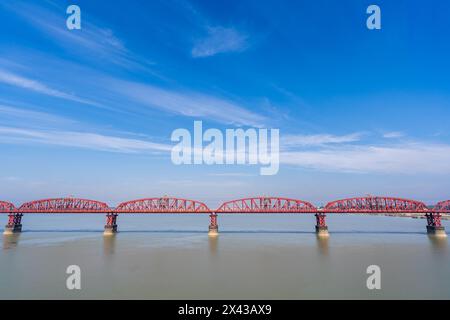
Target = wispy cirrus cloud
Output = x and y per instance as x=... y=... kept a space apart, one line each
x=231 y=174
x=220 y=40
x=99 y=43
x=319 y=139
x=85 y=140
x=388 y=159
x=11 y=114
x=121 y=95
x=29 y=127
x=393 y=135
x=16 y=80
x=350 y=153
x=187 y=103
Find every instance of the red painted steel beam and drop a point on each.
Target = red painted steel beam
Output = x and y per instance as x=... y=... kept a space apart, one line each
x=267 y=205
x=376 y=205
x=6 y=207
x=442 y=207
x=64 y=205
x=162 y=205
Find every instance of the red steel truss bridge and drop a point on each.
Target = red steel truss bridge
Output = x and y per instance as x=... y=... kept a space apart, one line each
x=255 y=205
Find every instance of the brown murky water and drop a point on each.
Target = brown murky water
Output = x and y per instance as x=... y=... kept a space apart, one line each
x=257 y=257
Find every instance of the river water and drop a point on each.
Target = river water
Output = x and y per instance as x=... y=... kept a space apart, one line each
x=254 y=257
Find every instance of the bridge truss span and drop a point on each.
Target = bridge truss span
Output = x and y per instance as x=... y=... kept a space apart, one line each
x=162 y=205
x=6 y=207
x=64 y=205
x=442 y=207
x=376 y=205
x=267 y=205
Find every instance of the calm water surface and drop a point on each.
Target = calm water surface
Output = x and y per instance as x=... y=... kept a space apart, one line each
x=254 y=257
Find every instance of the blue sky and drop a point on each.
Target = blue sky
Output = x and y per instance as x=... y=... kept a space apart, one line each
x=90 y=112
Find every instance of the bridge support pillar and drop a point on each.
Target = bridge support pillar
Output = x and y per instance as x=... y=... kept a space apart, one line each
x=14 y=223
x=213 y=226
x=111 y=225
x=321 y=226
x=434 y=227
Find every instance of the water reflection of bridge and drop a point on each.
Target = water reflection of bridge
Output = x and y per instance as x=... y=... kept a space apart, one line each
x=257 y=205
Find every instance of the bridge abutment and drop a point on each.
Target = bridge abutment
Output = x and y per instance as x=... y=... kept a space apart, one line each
x=434 y=227
x=321 y=226
x=14 y=223
x=111 y=224
x=213 y=229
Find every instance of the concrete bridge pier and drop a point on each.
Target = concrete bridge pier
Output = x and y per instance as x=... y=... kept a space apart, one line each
x=14 y=223
x=434 y=227
x=111 y=225
x=213 y=226
x=321 y=226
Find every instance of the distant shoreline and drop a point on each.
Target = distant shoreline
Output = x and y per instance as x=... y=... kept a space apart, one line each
x=444 y=216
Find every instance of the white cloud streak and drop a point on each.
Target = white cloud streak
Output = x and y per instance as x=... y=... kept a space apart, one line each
x=39 y=87
x=188 y=103
x=86 y=140
x=412 y=158
x=219 y=40
x=319 y=139
x=393 y=135
x=409 y=159
x=93 y=41
x=10 y=114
